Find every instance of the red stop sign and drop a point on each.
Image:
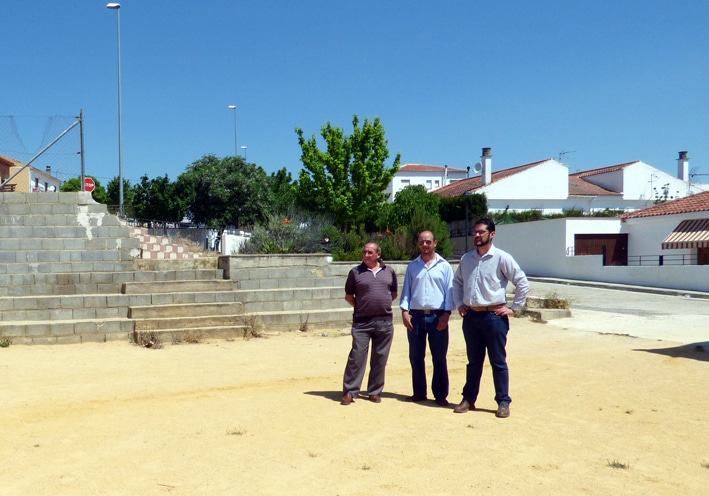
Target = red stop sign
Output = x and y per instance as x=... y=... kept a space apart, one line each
x=89 y=184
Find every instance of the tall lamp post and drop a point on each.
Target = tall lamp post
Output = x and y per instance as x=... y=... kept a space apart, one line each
x=117 y=8
x=236 y=148
x=244 y=148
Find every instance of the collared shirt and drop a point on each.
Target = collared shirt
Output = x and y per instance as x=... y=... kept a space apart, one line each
x=372 y=290
x=482 y=280
x=428 y=287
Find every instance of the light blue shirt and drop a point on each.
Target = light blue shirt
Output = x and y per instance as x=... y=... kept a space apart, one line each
x=428 y=287
x=482 y=281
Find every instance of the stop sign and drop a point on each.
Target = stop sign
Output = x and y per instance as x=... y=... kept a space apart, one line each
x=89 y=184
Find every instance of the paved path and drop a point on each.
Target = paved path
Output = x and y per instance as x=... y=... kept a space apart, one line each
x=668 y=315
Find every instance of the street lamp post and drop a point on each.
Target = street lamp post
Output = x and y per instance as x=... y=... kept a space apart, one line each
x=117 y=8
x=244 y=148
x=236 y=148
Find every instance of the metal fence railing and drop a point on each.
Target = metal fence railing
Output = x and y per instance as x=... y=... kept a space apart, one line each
x=660 y=260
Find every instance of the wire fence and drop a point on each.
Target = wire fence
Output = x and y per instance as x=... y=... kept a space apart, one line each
x=23 y=137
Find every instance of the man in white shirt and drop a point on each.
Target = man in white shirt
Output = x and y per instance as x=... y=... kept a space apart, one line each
x=479 y=291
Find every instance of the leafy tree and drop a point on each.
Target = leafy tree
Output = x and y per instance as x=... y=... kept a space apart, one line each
x=283 y=190
x=349 y=177
x=225 y=192
x=114 y=194
x=413 y=210
x=453 y=208
x=398 y=213
x=156 y=199
x=74 y=184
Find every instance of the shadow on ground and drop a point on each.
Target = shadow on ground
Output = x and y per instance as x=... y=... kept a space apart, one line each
x=694 y=351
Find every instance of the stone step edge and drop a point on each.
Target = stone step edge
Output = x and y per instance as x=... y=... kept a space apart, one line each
x=101 y=295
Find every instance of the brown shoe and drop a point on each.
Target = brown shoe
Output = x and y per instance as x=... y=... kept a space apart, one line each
x=463 y=407
x=347 y=399
x=375 y=398
x=503 y=410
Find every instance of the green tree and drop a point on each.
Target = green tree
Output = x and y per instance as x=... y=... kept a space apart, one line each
x=225 y=192
x=74 y=184
x=155 y=199
x=453 y=208
x=114 y=194
x=283 y=191
x=349 y=177
x=398 y=213
x=412 y=211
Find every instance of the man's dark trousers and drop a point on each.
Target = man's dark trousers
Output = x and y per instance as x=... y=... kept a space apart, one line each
x=425 y=326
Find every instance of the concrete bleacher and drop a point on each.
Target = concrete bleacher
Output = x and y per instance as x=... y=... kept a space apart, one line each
x=70 y=272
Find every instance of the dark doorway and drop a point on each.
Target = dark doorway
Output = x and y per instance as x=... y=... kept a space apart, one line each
x=615 y=246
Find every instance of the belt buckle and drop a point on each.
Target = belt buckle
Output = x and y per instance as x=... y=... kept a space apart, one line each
x=427 y=312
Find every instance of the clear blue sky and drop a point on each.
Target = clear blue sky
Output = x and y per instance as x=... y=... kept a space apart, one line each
x=610 y=81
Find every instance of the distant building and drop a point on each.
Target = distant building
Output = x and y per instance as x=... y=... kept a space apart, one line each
x=430 y=177
x=29 y=179
x=548 y=187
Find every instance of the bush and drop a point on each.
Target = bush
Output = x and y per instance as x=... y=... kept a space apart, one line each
x=298 y=232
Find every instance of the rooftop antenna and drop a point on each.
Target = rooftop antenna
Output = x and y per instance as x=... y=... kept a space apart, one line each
x=565 y=152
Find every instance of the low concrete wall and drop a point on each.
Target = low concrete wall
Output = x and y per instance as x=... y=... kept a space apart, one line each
x=540 y=249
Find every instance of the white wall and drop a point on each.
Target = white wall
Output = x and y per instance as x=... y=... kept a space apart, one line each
x=536 y=247
x=428 y=179
x=549 y=180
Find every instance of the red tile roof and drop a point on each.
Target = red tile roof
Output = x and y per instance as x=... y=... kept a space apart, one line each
x=472 y=183
x=427 y=168
x=694 y=203
x=603 y=170
x=580 y=187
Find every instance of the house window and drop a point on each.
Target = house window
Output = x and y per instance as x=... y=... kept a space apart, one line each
x=428 y=184
x=405 y=182
x=437 y=184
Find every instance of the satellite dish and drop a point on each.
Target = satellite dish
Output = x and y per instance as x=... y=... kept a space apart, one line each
x=477 y=168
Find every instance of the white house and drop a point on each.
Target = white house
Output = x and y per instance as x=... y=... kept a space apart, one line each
x=548 y=187
x=431 y=177
x=664 y=246
x=29 y=179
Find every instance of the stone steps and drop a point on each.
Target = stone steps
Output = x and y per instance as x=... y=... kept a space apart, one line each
x=155 y=247
x=293 y=299
x=182 y=286
x=66 y=283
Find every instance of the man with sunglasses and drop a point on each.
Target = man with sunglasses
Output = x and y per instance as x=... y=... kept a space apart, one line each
x=479 y=291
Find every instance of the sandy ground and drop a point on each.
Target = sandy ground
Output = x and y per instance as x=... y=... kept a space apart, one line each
x=263 y=417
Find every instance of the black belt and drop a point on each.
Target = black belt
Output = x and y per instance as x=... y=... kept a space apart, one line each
x=427 y=312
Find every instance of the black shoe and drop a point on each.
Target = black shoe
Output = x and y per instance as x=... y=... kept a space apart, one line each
x=442 y=402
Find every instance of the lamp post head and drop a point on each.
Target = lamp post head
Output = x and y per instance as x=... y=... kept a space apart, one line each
x=232 y=107
x=243 y=147
x=114 y=6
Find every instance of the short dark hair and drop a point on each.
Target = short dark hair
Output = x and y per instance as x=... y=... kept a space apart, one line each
x=487 y=222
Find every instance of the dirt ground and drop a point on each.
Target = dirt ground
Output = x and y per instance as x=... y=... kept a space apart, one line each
x=592 y=414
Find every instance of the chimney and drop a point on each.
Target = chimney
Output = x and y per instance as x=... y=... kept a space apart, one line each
x=486 y=162
x=683 y=166
x=49 y=170
x=445 y=175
